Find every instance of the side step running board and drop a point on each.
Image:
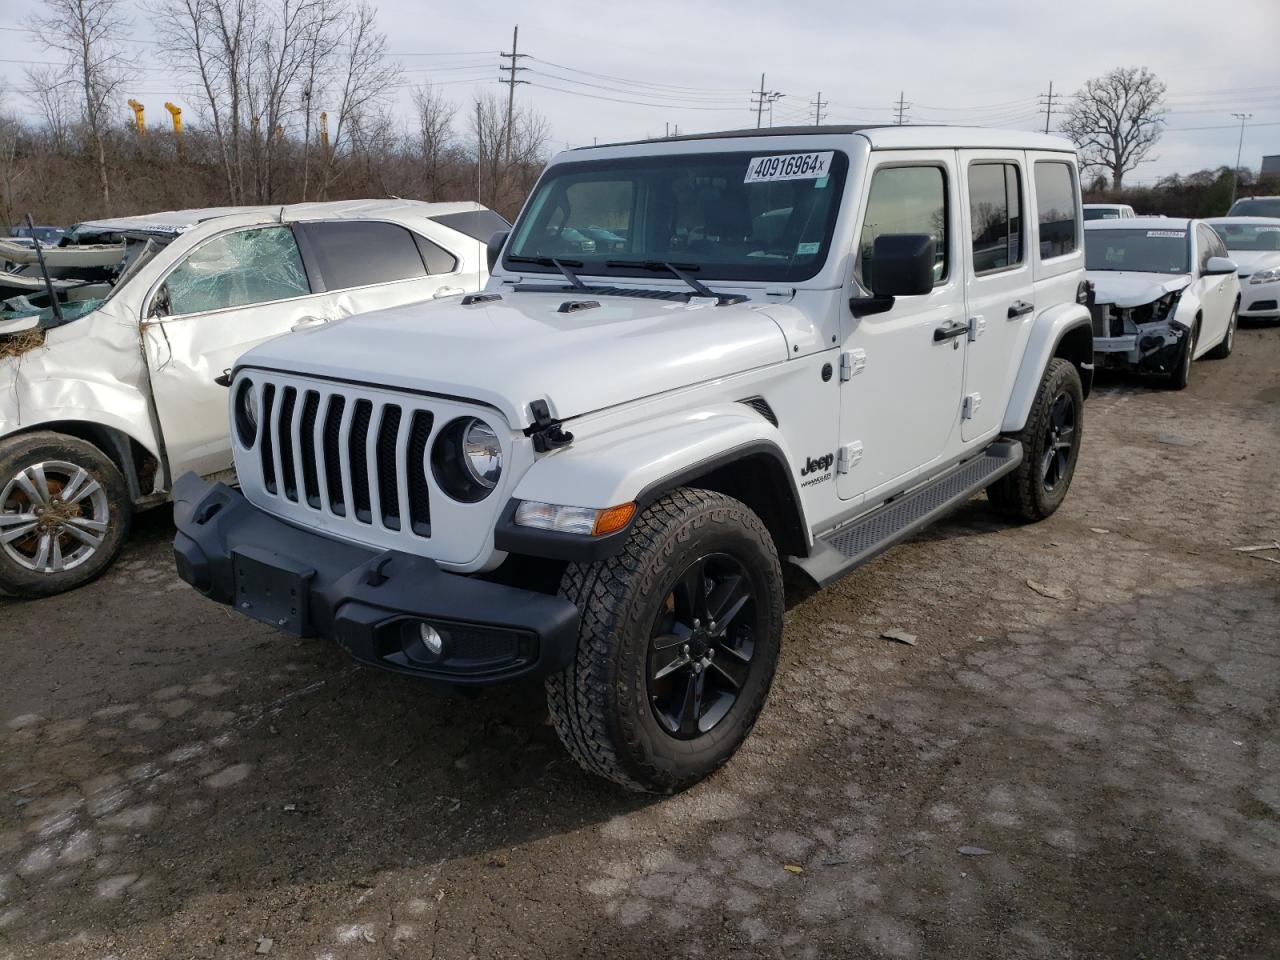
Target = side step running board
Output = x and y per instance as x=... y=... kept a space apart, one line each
x=836 y=553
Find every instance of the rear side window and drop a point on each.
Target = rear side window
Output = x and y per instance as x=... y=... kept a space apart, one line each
x=1055 y=208
x=477 y=224
x=905 y=200
x=436 y=257
x=995 y=216
x=357 y=253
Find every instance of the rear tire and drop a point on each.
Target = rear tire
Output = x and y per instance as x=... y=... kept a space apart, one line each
x=65 y=512
x=660 y=694
x=1223 y=349
x=1050 y=448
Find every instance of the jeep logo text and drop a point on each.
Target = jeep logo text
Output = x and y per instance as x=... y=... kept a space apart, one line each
x=821 y=465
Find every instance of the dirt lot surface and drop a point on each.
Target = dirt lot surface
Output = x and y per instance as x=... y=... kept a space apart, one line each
x=1079 y=758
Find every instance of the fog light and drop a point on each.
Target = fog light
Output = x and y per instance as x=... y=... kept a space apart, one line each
x=431 y=638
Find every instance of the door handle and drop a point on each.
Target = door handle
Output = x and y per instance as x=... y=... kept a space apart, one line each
x=1020 y=308
x=950 y=331
x=307 y=322
x=447 y=292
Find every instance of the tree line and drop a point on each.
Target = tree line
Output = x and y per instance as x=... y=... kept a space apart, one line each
x=293 y=100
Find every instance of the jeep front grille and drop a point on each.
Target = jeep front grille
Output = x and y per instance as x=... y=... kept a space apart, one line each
x=357 y=457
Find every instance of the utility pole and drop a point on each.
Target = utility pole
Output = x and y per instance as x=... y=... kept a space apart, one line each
x=817 y=110
x=1047 y=105
x=510 y=80
x=774 y=97
x=760 y=95
x=901 y=107
x=1235 y=174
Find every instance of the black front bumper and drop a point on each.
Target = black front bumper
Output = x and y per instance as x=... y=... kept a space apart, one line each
x=371 y=602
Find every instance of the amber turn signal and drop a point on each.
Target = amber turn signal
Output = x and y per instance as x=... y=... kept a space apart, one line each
x=613 y=519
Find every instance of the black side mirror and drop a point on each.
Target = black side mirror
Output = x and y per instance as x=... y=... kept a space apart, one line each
x=494 y=250
x=901 y=266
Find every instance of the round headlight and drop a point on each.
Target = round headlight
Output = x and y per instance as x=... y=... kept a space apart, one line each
x=467 y=459
x=246 y=412
x=481 y=453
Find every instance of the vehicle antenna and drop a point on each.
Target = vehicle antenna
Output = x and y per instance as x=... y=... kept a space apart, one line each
x=44 y=271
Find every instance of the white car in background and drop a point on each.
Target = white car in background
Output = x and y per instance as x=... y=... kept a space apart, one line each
x=113 y=348
x=1255 y=207
x=1254 y=244
x=1108 y=211
x=1165 y=294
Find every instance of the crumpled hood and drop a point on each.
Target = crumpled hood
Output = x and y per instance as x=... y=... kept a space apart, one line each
x=509 y=352
x=1251 y=261
x=1125 y=288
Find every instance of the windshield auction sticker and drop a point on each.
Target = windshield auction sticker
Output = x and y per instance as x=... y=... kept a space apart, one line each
x=789 y=166
x=1171 y=234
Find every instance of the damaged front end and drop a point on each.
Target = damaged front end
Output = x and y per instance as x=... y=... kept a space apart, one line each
x=1142 y=338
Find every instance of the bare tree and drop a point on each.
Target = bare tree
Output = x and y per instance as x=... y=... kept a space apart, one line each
x=364 y=78
x=434 y=132
x=89 y=32
x=1116 y=119
x=320 y=43
x=53 y=91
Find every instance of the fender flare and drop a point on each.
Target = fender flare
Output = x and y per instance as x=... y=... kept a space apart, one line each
x=1054 y=334
x=644 y=461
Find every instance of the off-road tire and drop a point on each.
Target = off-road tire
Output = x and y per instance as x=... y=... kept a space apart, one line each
x=1022 y=494
x=1180 y=375
x=30 y=448
x=600 y=703
x=1225 y=346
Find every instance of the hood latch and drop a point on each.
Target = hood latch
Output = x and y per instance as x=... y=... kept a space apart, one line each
x=545 y=432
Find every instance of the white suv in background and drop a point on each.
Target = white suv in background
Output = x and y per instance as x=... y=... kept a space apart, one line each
x=113 y=346
x=1108 y=211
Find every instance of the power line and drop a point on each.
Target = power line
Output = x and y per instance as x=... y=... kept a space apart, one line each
x=1046 y=105
x=511 y=81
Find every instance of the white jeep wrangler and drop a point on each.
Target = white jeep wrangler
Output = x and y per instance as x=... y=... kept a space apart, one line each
x=697 y=360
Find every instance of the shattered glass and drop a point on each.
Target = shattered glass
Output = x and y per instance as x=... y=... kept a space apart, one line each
x=236 y=269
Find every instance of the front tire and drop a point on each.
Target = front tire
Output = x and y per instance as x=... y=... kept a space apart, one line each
x=1180 y=375
x=678 y=645
x=1050 y=448
x=64 y=513
x=1225 y=346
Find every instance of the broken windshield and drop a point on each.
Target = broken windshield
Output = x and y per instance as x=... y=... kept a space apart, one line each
x=727 y=216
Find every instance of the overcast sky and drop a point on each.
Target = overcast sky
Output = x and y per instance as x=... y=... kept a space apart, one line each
x=694 y=64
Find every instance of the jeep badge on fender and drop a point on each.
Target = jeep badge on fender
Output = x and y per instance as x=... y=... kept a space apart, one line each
x=593 y=473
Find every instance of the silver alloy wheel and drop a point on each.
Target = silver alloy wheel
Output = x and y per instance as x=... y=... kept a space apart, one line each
x=1231 y=327
x=53 y=517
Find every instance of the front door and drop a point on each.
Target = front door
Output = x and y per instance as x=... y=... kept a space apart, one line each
x=230 y=293
x=900 y=404
x=998 y=286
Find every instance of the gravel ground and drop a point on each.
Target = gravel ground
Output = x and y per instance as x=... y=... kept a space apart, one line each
x=1086 y=767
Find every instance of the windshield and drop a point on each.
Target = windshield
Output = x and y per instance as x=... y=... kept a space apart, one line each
x=728 y=216
x=1248 y=237
x=1108 y=213
x=1143 y=251
x=1256 y=207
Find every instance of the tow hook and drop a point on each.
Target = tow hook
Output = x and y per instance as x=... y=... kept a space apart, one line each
x=546 y=432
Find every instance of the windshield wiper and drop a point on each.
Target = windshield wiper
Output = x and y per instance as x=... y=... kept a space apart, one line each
x=562 y=265
x=679 y=269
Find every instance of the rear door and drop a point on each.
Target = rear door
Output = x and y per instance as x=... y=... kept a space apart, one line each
x=999 y=292
x=900 y=402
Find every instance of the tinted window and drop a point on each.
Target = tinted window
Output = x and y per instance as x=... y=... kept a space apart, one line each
x=237 y=269
x=1145 y=251
x=436 y=257
x=995 y=216
x=730 y=216
x=356 y=253
x=905 y=200
x=1055 y=208
x=477 y=224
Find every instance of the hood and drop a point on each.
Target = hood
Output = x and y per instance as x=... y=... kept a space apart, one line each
x=1251 y=261
x=1124 y=288
x=507 y=353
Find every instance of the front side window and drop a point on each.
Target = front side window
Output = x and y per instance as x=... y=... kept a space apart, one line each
x=235 y=270
x=905 y=200
x=358 y=253
x=1142 y=251
x=1056 y=208
x=727 y=216
x=995 y=216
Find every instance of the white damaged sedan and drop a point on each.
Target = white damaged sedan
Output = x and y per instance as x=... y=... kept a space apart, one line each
x=1254 y=244
x=1165 y=293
